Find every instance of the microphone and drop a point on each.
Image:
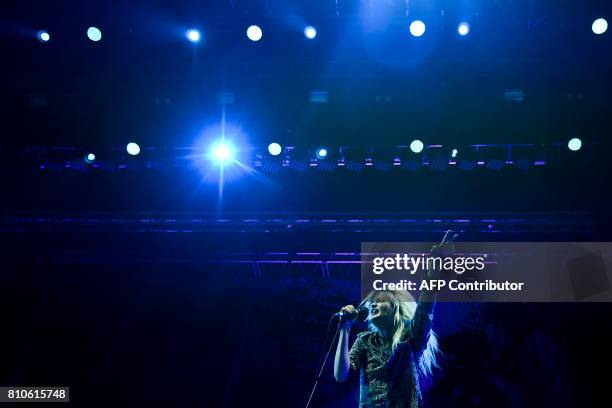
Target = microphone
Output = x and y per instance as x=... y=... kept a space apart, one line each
x=361 y=311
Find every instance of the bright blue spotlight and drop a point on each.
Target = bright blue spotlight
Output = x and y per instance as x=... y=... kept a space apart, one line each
x=574 y=144
x=254 y=33
x=416 y=146
x=310 y=32
x=132 y=148
x=193 y=35
x=463 y=28
x=221 y=152
x=417 y=28
x=43 y=36
x=274 y=149
x=599 y=26
x=454 y=153
x=321 y=153
x=94 y=34
x=90 y=158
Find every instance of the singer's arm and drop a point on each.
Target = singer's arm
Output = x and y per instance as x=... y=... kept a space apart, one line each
x=423 y=316
x=422 y=320
x=341 y=361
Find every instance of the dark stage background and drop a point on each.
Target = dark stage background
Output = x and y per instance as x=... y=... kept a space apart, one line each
x=142 y=285
x=183 y=330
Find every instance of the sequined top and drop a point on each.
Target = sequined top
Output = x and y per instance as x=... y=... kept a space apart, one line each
x=390 y=379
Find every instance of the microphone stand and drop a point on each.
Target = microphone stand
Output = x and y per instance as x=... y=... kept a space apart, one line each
x=316 y=383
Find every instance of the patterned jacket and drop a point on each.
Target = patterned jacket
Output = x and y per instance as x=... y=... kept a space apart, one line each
x=389 y=379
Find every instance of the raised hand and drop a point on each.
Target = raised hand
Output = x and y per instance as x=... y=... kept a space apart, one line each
x=443 y=249
x=447 y=246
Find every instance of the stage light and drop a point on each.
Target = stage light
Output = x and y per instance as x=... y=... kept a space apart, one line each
x=416 y=146
x=193 y=35
x=599 y=26
x=310 y=32
x=132 y=148
x=321 y=153
x=463 y=28
x=454 y=153
x=254 y=33
x=94 y=34
x=43 y=36
x=417 y=28
x=574 y=144
x=221 y=152
x=274 y=149
x=90 y=158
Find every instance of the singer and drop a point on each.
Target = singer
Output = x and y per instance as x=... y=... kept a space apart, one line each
x=398 y=347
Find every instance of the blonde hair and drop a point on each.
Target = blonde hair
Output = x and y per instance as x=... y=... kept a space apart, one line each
x=404 y=308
